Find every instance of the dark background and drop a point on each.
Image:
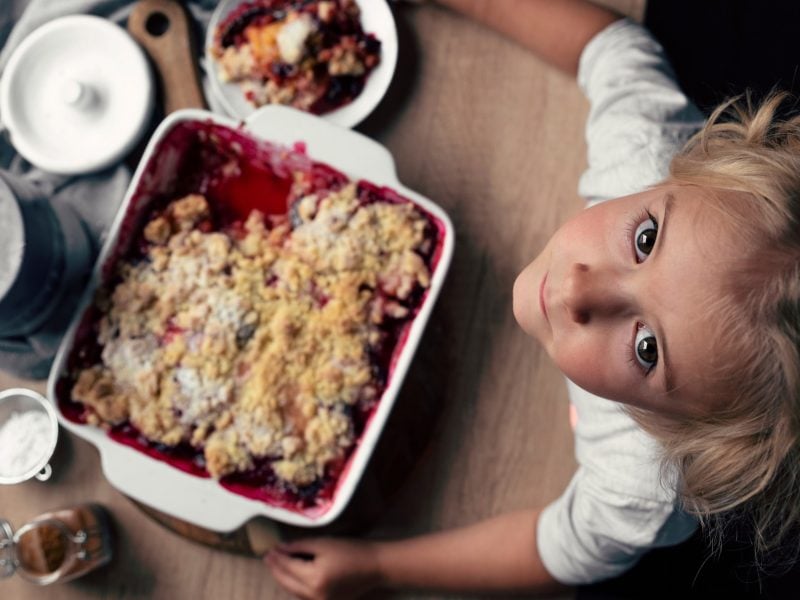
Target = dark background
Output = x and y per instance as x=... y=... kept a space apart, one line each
x=721 y=48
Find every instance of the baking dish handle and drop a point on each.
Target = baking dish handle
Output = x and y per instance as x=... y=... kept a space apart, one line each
x=349 y=150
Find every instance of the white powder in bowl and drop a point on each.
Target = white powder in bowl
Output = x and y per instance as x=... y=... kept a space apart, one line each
x=24 y=439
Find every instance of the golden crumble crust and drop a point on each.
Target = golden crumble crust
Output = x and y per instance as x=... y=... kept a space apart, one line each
x=256 y=343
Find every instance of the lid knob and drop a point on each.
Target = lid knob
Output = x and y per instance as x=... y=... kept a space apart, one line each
x=77 y=95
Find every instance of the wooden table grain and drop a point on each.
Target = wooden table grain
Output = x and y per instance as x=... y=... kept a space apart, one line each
x=495 y=137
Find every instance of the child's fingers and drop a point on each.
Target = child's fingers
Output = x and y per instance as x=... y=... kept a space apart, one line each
x=300 y=569
x=285 y=577
x=306 y=547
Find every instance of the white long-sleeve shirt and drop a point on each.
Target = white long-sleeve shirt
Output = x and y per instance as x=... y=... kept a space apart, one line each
x=618 y=504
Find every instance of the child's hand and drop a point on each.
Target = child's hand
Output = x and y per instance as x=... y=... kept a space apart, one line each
x=324 y=569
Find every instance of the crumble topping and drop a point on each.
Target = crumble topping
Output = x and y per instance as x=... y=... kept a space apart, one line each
x=256 y=342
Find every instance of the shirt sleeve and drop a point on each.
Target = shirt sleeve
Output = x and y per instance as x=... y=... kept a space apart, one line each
x=638 y=117
x=593 y=532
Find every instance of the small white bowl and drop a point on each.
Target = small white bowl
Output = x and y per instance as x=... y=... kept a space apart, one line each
x=376 y=18
x=19 y=401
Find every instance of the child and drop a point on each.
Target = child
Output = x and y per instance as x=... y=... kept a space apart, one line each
x=678 y=301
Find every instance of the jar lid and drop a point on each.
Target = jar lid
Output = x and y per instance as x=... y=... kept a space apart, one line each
x=76 y=95
x=8 y=561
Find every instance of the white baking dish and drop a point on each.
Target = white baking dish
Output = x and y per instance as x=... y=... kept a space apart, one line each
x=203 y=501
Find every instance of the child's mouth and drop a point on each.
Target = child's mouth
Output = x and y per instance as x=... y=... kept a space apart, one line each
x=541 y=298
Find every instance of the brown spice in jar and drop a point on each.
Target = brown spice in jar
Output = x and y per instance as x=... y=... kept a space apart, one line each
x=42 y=550
x=45 y=549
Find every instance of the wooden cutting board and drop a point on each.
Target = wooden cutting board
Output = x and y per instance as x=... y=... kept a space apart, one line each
x=253 y=539
x=164 y=29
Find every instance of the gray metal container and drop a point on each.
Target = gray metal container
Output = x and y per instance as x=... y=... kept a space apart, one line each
x=45 y=252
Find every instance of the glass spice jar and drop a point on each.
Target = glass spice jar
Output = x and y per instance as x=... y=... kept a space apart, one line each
x=56 y=546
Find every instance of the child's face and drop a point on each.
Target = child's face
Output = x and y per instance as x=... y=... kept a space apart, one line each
x=619 y=298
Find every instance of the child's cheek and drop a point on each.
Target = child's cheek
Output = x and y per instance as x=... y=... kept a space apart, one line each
x=518 y=300
x=525 y=301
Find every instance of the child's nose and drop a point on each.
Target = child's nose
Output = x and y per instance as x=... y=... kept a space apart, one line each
x=591 y=292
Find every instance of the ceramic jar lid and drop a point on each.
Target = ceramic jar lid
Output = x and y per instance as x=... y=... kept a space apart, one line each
x=76 y=95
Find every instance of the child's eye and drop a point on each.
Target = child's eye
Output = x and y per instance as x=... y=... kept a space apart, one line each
x=644 y=238
x=645 y=347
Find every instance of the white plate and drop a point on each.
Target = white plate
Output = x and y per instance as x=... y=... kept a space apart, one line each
x=376 y=18
x=204 y=501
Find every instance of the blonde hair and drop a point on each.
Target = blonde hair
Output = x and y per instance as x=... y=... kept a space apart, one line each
x=744 y=459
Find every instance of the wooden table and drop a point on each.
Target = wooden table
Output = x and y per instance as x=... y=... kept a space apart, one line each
x=496 y=138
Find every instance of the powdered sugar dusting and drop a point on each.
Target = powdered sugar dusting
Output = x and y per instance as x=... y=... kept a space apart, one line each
x=24 y=439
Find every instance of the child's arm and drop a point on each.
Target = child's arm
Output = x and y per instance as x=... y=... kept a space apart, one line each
x=556 y=30
x=490 y=556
